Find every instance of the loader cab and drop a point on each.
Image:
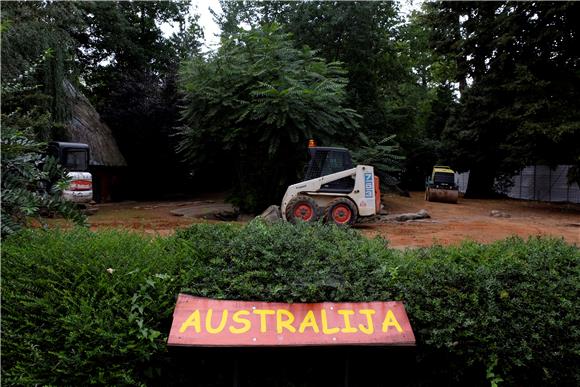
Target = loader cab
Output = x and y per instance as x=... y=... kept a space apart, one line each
x=74 y=157
x=325 y=161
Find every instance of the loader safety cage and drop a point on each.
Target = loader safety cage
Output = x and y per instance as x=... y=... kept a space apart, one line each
x=326 y=161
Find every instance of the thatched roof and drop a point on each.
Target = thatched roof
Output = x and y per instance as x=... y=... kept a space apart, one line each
x=86 y=126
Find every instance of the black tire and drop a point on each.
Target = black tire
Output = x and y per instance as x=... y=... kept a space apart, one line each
x=302 y=208
x=341 y=211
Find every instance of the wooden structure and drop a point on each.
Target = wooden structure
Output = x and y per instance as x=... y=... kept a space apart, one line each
x=107 y=164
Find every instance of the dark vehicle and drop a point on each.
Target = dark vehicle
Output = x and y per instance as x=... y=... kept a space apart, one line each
x=74 y=157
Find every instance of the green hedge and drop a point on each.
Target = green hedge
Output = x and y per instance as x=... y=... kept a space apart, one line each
x=506 y=312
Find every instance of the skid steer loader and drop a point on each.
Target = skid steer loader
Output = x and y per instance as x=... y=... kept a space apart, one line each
x=440 y=186
x=333 y=189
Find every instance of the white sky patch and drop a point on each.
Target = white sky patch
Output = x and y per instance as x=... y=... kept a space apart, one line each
x=408 y=6
x=211 y=30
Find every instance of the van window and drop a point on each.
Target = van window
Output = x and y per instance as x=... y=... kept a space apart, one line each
x=76 y=160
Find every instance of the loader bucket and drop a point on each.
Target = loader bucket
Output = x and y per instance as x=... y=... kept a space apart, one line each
x=442 y=195
x=271 y=214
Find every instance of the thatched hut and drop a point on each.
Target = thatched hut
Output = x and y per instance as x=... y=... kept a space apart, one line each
x=107 y=164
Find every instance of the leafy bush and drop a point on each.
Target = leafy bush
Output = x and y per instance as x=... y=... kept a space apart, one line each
x=32 y=183
x=481 y=313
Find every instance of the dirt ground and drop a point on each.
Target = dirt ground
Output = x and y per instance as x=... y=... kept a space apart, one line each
x=449 y=223
x=470 y=219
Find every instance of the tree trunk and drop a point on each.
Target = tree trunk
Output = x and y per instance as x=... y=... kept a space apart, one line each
x=481 y=181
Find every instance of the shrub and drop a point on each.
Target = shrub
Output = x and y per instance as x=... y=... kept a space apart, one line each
x=481 y=313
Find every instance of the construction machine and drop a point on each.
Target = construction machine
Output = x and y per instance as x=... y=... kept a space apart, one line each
x=440 y=186
x=74 y=157
x=333 y=189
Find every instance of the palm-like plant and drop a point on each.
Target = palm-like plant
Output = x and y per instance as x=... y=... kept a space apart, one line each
x=256 y=102
x=383 y=156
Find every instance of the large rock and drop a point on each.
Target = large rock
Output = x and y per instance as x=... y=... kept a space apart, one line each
x=423 y=214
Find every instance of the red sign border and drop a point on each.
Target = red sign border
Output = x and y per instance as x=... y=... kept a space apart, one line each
x=185 y=298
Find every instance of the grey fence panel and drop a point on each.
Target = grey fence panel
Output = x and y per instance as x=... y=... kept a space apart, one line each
x=540 y=182
x=461 y=179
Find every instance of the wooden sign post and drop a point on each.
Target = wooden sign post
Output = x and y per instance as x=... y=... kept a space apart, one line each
x=213 y=323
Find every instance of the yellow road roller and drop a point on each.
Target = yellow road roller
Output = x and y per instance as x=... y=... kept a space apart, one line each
x=440 y=186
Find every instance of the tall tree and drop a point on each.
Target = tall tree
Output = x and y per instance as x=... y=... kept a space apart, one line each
x=395 y=79
x=253 y=106
x=131 y=73
x=31 y=30
x=359 y=34
x=520 y=63
x=424 y=100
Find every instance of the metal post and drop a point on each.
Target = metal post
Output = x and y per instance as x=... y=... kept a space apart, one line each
x=346 y=371
x=520 y=196
x=535 y=194
x=549 y=184
x=235 y=379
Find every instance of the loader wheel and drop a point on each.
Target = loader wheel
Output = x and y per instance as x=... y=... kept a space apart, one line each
x=342 y=212
x=302 y=208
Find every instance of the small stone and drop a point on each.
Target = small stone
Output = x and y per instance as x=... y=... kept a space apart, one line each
x=499 y=214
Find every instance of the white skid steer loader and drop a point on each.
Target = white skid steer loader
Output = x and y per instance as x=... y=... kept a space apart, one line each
x=333 y=190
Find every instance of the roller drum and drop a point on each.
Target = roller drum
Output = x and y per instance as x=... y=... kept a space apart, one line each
x=442 y=195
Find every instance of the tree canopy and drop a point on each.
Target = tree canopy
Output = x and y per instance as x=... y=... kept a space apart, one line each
x=488 y=87
x=255 y=104
x=517 y=66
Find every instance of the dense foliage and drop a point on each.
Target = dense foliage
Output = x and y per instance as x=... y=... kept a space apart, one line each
x=254 y=105
x=32 y=183
x=384 y=156
x=483 y=86
x=30 y=30
x=116 y=54
x=81 y=307
x=518 y=70
x=359 y=34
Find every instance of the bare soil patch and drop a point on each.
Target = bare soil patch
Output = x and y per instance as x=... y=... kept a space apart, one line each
x=470 y=219
x=449 y=223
